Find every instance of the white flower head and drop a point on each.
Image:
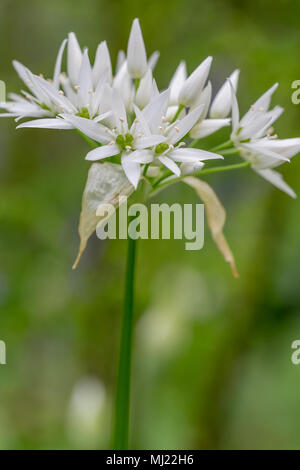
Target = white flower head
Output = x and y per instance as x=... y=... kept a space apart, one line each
x=194 y=84
x=252 y=135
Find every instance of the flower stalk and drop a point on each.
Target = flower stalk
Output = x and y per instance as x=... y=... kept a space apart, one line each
x=122 y=401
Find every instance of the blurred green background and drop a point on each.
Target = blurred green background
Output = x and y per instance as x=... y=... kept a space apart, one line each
x=212 y=367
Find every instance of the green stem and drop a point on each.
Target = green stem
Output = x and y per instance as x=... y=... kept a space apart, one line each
x=216 y=169
x=180 y=108
x=122 y=403
x=222 y=146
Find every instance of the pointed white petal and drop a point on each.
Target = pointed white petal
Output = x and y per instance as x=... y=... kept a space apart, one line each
x=92 y=129
x=263 y=157
x=123 y=83
x=53 y=96
x=119 y=112
x=74 y=58
x=140 y=124
x=85 y=82
x=277 y=180
x=176 y=83
x=156 y=109
x=57 y=68
x=193 y=155
x=54 y=123
x=145 y=90
x=208 y=127
x=204 y=98
x=221 y=104
x=183 y=126
x=235 y=114
x=103 y=152
x=170 y=164
x=262 y=104
x=102 y=63
x=131 y=169
x=121 y=57
x=152 y=61
x=141 y=156
x=262 y=122
x=194 y=84
x=273 y=115
x=149 y=141
x=136 y=52
x=285 y=147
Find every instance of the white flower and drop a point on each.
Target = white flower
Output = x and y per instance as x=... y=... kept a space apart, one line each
x=194 y=84
x=136 y=52
x=205 y=127
x=74 y=59
x=252 y=135
x=131 y=143
x=221 y=105
x=172 y=151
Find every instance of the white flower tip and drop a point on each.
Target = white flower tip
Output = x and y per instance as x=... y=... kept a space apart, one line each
x=136 y=52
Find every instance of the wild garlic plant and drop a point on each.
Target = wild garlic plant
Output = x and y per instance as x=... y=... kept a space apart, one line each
x=150 y=139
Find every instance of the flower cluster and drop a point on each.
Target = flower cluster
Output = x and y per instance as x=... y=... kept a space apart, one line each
x=150 y=133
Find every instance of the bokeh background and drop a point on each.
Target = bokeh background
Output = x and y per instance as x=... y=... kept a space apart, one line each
x=212 y=360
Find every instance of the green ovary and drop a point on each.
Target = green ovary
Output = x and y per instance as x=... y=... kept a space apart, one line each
x=124 y=141
x=161 y=148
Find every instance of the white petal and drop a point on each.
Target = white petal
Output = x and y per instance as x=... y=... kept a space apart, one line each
x=131 y=169
x=156 y=109
x=285 y=147
x=102 y=63
x=264 y=157
x=262 y=122
x=53 y=96
x=194 y=84
x=85 y=81
x=74 y=58
x=21 y=71
x=235 y=114
x=262 y=103
x=273 y=115
x=183 y=126
x=221 y=104
x=57 y=68
x=152 y=61
x=192 y=155
x=119 y=112
x=170 y=164
x=92 y=129
x=55 y=123
x=277 y=180
x=149 y=141
x=204 y=98
x=141 y=156
x=136 y=52
x=103 y=152
x=208 y=127
x=123 y=83
x=145 y=90
x=121 y=57
x=176 y=83
x=140 y=124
